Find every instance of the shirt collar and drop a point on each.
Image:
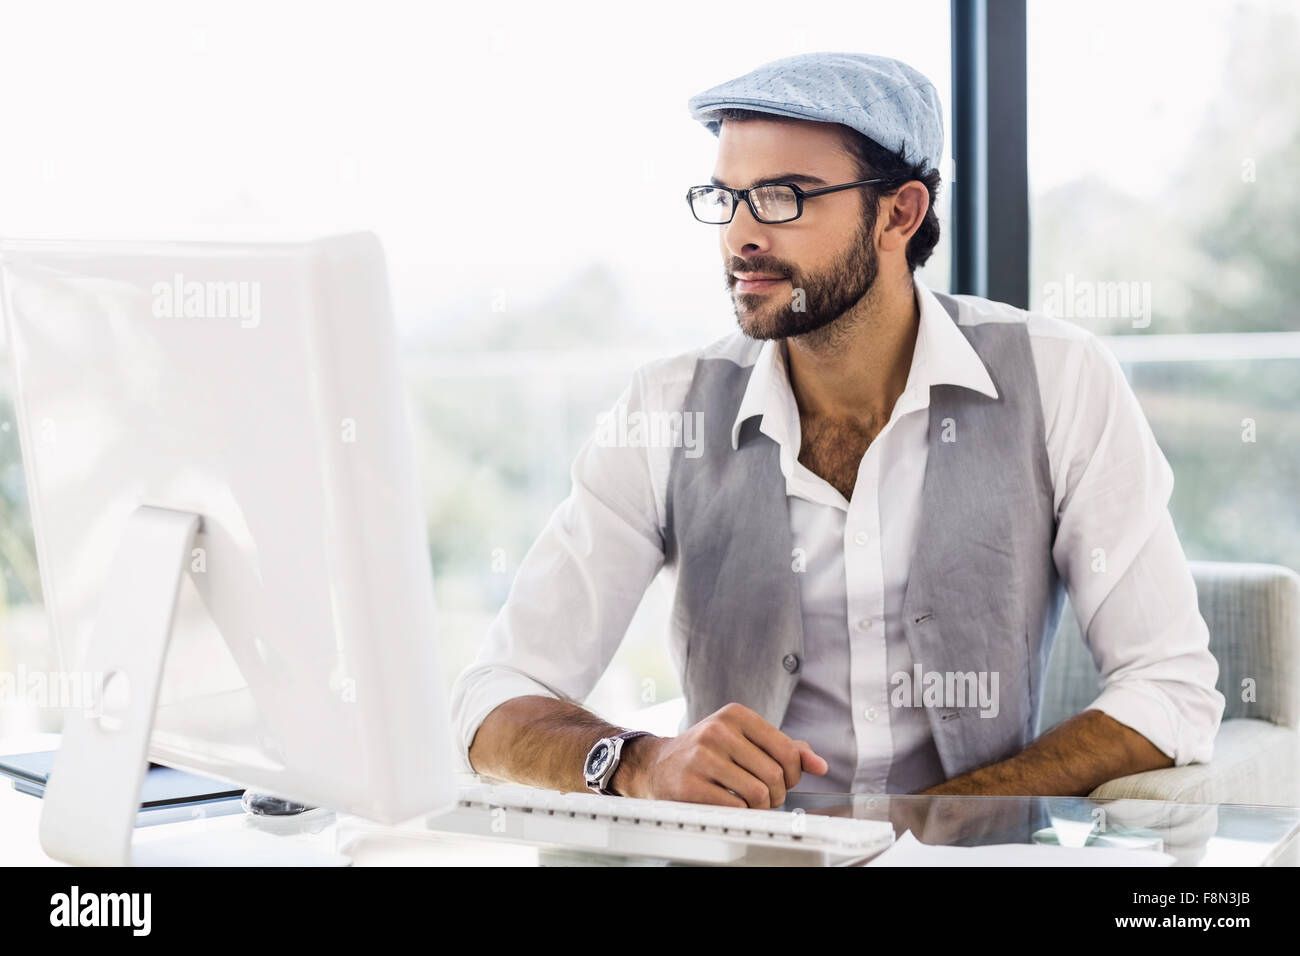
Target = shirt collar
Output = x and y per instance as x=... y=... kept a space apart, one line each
x=943 y=356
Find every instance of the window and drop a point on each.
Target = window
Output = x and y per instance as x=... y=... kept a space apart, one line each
x=1163 y=144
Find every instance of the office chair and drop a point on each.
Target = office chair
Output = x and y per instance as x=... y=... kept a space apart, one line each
x=1253 y=615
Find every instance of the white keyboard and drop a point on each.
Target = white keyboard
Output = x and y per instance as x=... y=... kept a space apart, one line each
x=665 y=829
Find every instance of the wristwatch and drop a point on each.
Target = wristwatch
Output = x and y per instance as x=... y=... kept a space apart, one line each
x=603 y=760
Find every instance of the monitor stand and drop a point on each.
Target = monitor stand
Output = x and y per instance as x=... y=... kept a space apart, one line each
x=93 y=794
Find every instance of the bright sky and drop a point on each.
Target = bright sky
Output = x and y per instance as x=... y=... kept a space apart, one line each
x=1111 y=80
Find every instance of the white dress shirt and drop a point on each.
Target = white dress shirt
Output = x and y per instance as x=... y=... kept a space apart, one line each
x=1116 y=551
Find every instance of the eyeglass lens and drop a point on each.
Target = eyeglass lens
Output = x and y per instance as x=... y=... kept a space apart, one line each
x=772 y=203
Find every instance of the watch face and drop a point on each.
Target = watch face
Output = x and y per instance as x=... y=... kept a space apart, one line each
x=599 y=757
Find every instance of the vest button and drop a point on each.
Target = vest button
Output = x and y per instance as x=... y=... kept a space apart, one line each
x=790 y=662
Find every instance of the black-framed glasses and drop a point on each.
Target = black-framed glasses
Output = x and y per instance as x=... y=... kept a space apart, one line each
x=769 y=203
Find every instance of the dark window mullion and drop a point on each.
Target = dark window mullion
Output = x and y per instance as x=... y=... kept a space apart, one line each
x=990 y=191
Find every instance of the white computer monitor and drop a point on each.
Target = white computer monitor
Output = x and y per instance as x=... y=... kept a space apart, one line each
x=219 y=461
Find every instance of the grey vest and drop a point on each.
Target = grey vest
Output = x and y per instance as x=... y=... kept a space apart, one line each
x=982 y=595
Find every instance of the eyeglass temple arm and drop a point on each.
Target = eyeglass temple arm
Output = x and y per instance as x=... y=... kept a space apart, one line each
x=835 y=189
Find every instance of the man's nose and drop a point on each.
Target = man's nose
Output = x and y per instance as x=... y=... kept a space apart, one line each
x=745 y=233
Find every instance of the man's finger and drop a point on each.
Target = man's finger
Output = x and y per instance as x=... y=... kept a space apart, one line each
x=762 y=765
x=722 y=797
x=772 y=742
x=811 y=761
x=732 y=776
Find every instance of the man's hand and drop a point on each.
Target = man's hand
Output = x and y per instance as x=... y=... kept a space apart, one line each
x=733 y=757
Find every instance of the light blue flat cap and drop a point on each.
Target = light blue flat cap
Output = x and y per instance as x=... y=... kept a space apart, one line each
x=886 y=100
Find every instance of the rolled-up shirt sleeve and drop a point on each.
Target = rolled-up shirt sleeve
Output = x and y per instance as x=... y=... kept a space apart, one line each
x=577 y=587
x=1123 y=566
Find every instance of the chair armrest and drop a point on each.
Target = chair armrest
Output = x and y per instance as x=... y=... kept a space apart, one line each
x=1254 y=762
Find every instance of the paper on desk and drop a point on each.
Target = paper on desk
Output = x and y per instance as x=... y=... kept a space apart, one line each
x=909 y=851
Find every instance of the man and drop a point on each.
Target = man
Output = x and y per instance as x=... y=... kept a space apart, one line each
x=872 y=531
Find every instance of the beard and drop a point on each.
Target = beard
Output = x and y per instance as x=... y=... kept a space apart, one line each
x=827 y=294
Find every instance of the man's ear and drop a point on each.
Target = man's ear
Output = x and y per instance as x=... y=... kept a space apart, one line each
x=903 y=213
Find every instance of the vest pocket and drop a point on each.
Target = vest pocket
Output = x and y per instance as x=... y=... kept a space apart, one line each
x=1031 y=672
x=680 y=641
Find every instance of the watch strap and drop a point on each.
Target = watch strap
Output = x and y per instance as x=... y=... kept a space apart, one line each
x=629 y=734
x=609 y=776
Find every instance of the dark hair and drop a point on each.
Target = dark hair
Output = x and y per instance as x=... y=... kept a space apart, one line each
x=876 y=162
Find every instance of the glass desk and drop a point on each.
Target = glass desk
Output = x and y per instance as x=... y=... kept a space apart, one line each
x=1194 y=834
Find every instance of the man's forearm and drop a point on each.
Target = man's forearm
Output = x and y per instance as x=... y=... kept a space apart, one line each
x=538 y=741
x=1070 y=760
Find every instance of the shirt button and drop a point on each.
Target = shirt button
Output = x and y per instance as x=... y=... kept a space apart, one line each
x=870 y=713
x=861 y=537
x=790 y=662
x=864 y=624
